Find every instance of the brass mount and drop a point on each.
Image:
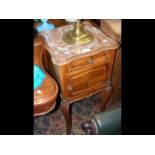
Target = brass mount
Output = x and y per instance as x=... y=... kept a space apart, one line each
x=78 y=36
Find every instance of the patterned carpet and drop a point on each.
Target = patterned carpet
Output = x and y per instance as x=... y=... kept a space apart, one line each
x=54 y=122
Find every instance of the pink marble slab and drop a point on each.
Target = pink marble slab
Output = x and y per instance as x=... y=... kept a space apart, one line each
x=62 y=52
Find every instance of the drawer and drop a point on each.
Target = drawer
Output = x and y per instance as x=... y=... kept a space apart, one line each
x=89 y=62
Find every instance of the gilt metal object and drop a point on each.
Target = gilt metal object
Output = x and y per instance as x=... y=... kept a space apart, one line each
x=78 y=36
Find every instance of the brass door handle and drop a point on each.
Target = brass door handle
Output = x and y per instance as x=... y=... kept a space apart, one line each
x=90 y=61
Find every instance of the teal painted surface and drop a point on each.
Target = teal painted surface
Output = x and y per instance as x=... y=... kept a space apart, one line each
x=45 y=26
x=39 y=75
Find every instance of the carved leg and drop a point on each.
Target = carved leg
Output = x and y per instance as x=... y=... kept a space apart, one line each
x=105 y=94
x=66 y=109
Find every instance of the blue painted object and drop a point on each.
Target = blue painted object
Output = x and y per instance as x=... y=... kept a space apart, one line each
x=45 y=26
x=39 y=75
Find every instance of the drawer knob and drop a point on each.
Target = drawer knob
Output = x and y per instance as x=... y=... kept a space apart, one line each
x=70 y=88
x=90 y=61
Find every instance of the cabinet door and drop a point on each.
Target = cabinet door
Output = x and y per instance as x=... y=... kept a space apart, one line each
x=87 y=81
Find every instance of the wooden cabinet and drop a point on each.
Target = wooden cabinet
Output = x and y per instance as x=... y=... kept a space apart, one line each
x=85 y=75
x=80 y=74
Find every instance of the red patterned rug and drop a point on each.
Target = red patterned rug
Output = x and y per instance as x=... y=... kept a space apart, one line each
x=54 y=122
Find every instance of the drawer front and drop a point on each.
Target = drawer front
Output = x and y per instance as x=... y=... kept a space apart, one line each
x=87 y=81
x=89 y=62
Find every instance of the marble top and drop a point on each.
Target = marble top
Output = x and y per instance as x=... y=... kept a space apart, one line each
x=61 y=52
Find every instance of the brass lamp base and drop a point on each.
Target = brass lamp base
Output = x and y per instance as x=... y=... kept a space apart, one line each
x=78 y=36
